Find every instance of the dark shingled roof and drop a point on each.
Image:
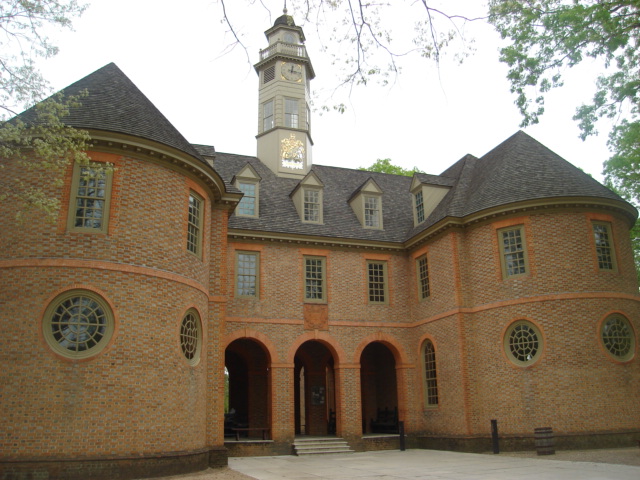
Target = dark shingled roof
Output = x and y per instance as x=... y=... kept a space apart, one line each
x=519 y=169
x=115 y=104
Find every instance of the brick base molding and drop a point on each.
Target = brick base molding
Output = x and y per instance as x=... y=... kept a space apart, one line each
x=513 y=443
x=115 y=468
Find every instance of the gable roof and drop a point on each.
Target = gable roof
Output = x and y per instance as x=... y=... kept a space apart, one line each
x=115 y=104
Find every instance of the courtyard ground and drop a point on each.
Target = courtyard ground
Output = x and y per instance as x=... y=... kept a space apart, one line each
x=618 y=464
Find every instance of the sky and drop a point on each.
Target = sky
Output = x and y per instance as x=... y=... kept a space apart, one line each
x=430 y=117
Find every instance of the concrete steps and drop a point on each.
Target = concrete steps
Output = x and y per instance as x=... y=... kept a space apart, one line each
x=320 y=446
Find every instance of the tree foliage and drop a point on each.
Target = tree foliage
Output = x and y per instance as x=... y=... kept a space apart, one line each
x=44 y=146
x=546 y=37
x=384 y=165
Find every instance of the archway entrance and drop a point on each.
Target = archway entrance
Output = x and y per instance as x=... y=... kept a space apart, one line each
x=379 y=389
x=248 y=411
x=314 y=387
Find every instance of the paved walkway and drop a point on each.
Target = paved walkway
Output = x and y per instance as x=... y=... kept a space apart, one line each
x=426 y=464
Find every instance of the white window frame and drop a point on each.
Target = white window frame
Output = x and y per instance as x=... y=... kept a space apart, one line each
x=268 y=115
x=291 y=113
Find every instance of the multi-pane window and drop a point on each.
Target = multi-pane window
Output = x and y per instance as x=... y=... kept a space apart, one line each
x=247 y=205
x=377 y=273
x=513 y=251
x=618 y=338
x=604 y=246
x=247 y=274
x=194 y=225
x=314 y=279
x=430 y=374
x=311 y=205
x=90 y=201
x=78 y=324
x=308 y=118
x=423 y=277
x=371 y=211
x=523 y=343
x=267 y=116
x=191 y=337
x=291 y=112
x=419 y=207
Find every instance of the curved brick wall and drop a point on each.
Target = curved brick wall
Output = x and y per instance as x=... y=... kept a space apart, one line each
x=138 y=400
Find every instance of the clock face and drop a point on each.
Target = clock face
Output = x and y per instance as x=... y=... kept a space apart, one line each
x=292 y=72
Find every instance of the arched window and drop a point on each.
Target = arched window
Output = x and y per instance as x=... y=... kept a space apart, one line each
x=430 y=374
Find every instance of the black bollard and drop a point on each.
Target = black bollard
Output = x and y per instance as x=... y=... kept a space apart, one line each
x=494 y=436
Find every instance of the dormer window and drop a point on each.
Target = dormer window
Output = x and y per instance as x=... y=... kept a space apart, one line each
x=312 y=205
x=372 y=217
x=366 y=203
x=248 y=182
x=307 y=198
x=419 y=199
x=427 y=192
x=247 y=206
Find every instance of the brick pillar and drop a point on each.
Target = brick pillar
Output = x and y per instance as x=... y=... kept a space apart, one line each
x=348 y=402
x=407 y=395
x=282 y=404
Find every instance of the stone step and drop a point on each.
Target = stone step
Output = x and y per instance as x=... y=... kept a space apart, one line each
x=319 y=446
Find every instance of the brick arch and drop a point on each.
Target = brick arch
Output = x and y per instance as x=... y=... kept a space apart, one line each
x=327 y=340
x=258 y=337
x=388 y=341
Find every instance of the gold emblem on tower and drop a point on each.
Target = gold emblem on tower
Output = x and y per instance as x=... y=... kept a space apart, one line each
x=292 y=152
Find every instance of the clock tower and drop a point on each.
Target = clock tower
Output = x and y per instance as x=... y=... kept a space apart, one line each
x=284 y=123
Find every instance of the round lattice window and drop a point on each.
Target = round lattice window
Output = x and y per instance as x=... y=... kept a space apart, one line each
x=523 y=343
x=618 y=338
x=78 y=324
x=190 y=335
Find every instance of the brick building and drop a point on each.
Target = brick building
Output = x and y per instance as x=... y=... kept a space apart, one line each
x=340 y=302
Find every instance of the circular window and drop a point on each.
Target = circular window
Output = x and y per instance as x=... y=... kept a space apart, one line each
x=523 y=343
x=617 y=337
x=78 y=324
x=190 y=337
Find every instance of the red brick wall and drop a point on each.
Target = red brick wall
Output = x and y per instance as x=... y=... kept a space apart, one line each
x=469 y=309
x=139 y=396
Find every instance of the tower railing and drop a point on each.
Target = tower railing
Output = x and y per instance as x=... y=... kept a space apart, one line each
x=281 y=48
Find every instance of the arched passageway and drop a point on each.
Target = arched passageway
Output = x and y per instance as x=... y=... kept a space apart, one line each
x=248 y=408
x=379 y=389
x=314 y=390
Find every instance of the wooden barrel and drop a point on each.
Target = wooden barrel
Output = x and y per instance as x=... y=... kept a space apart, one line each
x=545 y=444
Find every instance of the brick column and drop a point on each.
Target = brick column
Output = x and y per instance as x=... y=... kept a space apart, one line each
x=407 y=395
x=348 y=402
x=282 y=402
